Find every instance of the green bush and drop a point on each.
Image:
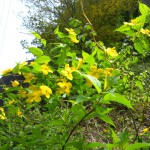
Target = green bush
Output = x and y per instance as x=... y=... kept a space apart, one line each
x=72 y=92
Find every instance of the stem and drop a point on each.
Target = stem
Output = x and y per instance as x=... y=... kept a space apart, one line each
x=135 y=127
x=87 y=19
x=74 y=128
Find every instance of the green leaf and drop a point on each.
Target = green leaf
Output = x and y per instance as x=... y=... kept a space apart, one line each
x=136 y=146
x=81 y=98
x=36 y=35
x=35 y=51
x=12 y=89
x=114 y=137
x=138 y=45
x=56 y=30
x=43 y=41
x=43 y=59
x=106 y=119
x=126 y=29
x=103 y=110
x=118 y=98
x=16 y=69
x=100 y=54
x=5 y=146
x=124 y=139
x=123 y=28
x=62 y=57
x=11 y=95
x=139 y=84
x=144 y=9
x=61 y=35
x=96 y=83
x=90 y=60
x=94 y=145
x=139 y=22
x=25 y=69
x=36 y=67
x=74 y=22
x=85 y=55
x=111 y=146
x=87 y=27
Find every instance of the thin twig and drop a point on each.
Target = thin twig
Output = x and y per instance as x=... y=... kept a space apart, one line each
x=74 y=128
x=92 y=28
x=135 y=127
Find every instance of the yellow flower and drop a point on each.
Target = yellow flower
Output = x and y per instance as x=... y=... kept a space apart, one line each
x=133 y=21
x=34 y=94
x=145 y=130
x=1 y=109
x=112 y=52
x=74 y=40
x=15 y=83
x=71 y=31
x=2 y=115
x=67 y=72
x=6 y=71
x=105 y=131
x=81 y=61
x=145 y=31
x=19 y=113
x=64 y=87
x=29 y=77
x=23 y=93
x=95 y=72
x=45 y=69
x=108 y=71
x=22 y=64
x=72 y=35
x=11 y=102
x=45 y=90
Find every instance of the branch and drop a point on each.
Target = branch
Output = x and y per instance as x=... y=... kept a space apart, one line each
x=135 y=127
x=87 y=19
x=74 y=128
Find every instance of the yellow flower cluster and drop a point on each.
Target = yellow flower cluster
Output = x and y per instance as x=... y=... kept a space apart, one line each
x=45 y=69
x=45 y=90
x=72 y=35
x=108 y=71
x=35 y=93
x=145 y=31
x=97 y=72
x=64 y=87
x=94 y=71
x=24 y=63
x=67 y=72
x=2 y=114
x=111 y=51
x=6 y=71
x=15 y=83
x=29 y=77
